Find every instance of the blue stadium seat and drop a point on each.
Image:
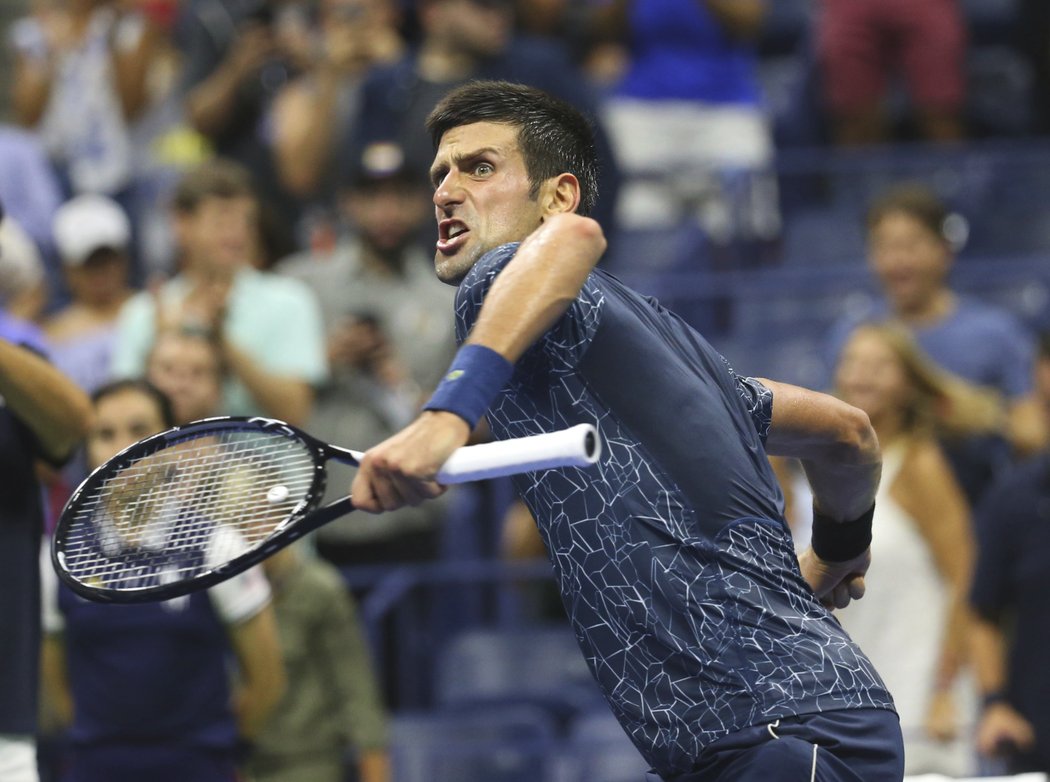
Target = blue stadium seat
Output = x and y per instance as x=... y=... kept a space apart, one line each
x=813 y=237
x=536 y=665
x=496 y=744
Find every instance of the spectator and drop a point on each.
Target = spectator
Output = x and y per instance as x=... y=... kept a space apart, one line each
x=462 y=40
x=92 y=234
x=269 y=327
x=922 y=552
x=1012 y=626
x=29 y=188
x=43 y=415
x=145 y=689
x=311 y=113
x=389 y=339
x=689 y=111
x=23 y=290
x=911 y=253
x=80 y=80
x=187 y=367
x=238 y=55
x=862 y=46
x=331 y=709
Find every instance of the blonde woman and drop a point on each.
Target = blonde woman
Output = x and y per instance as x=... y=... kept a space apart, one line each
x=912 y=620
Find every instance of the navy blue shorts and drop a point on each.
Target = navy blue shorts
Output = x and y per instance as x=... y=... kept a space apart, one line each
x=851 y=745
x=152 y=763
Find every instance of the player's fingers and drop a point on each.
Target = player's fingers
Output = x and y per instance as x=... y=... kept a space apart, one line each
x=411 y=491
x=361 y=491
x=386 y=492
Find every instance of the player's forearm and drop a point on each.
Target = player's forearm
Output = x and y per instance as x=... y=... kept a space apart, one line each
x=834 y=442
x=538 y=285
x=44 y=399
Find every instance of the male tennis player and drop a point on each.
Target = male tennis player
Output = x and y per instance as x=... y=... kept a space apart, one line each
x=674 y=561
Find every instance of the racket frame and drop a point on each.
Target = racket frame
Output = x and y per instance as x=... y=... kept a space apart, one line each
x=304 y=517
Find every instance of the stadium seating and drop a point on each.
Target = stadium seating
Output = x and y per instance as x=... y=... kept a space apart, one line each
x=598 y=750
x=540 y=666
x=509 y=743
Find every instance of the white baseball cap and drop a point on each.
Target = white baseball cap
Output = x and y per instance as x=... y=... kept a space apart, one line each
x=88 y=223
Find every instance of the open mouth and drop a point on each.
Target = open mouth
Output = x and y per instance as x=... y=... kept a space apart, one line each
x=451 y=235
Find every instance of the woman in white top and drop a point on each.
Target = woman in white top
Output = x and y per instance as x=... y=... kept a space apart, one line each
x=912 y=620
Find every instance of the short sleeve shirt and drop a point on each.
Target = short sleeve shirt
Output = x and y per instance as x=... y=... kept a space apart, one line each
x=672 y=556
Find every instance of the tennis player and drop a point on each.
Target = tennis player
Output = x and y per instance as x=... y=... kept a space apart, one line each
x=710 y=639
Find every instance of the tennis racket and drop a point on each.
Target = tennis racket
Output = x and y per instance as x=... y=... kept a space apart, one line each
x=197 y=504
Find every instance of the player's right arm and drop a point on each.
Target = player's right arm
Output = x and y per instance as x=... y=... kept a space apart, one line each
x=839 y=451
x=534 y=289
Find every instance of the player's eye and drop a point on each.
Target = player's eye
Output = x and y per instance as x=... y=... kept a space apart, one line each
x=483 y=169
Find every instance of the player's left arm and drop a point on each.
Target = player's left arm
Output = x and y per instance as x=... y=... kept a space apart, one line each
x=840 y=454
x=535 y=289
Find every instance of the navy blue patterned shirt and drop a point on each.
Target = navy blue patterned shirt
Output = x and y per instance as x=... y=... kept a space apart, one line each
x=676 y=567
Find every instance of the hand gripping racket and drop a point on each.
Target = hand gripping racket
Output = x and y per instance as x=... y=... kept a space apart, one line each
x=192 y=506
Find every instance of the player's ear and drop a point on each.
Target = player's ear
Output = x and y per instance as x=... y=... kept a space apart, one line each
x=561 y=194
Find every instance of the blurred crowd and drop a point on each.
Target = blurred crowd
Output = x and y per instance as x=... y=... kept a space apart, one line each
x=222 y=207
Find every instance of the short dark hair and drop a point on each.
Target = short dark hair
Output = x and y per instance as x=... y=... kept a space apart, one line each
x=554 y=137
x=164 y=407
x=216 y=178
x=914 y=199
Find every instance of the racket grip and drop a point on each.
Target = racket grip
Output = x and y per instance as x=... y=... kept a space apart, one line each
x=577 y=446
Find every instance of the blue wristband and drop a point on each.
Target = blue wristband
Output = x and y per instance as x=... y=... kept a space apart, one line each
x=476 y=375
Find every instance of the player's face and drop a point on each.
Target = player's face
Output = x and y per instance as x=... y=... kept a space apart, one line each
x=871 y=376
x=910 y=260
x=481 y=195
x=121 y=419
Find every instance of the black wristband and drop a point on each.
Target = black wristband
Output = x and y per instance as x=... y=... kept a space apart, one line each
x=841 y=541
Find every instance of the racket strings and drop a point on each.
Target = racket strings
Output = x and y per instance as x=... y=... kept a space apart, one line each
x=195 y=504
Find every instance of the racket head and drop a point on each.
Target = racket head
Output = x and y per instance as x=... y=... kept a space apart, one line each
x=187 y=508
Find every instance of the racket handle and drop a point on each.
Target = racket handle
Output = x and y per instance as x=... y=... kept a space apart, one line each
x=577 y=446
